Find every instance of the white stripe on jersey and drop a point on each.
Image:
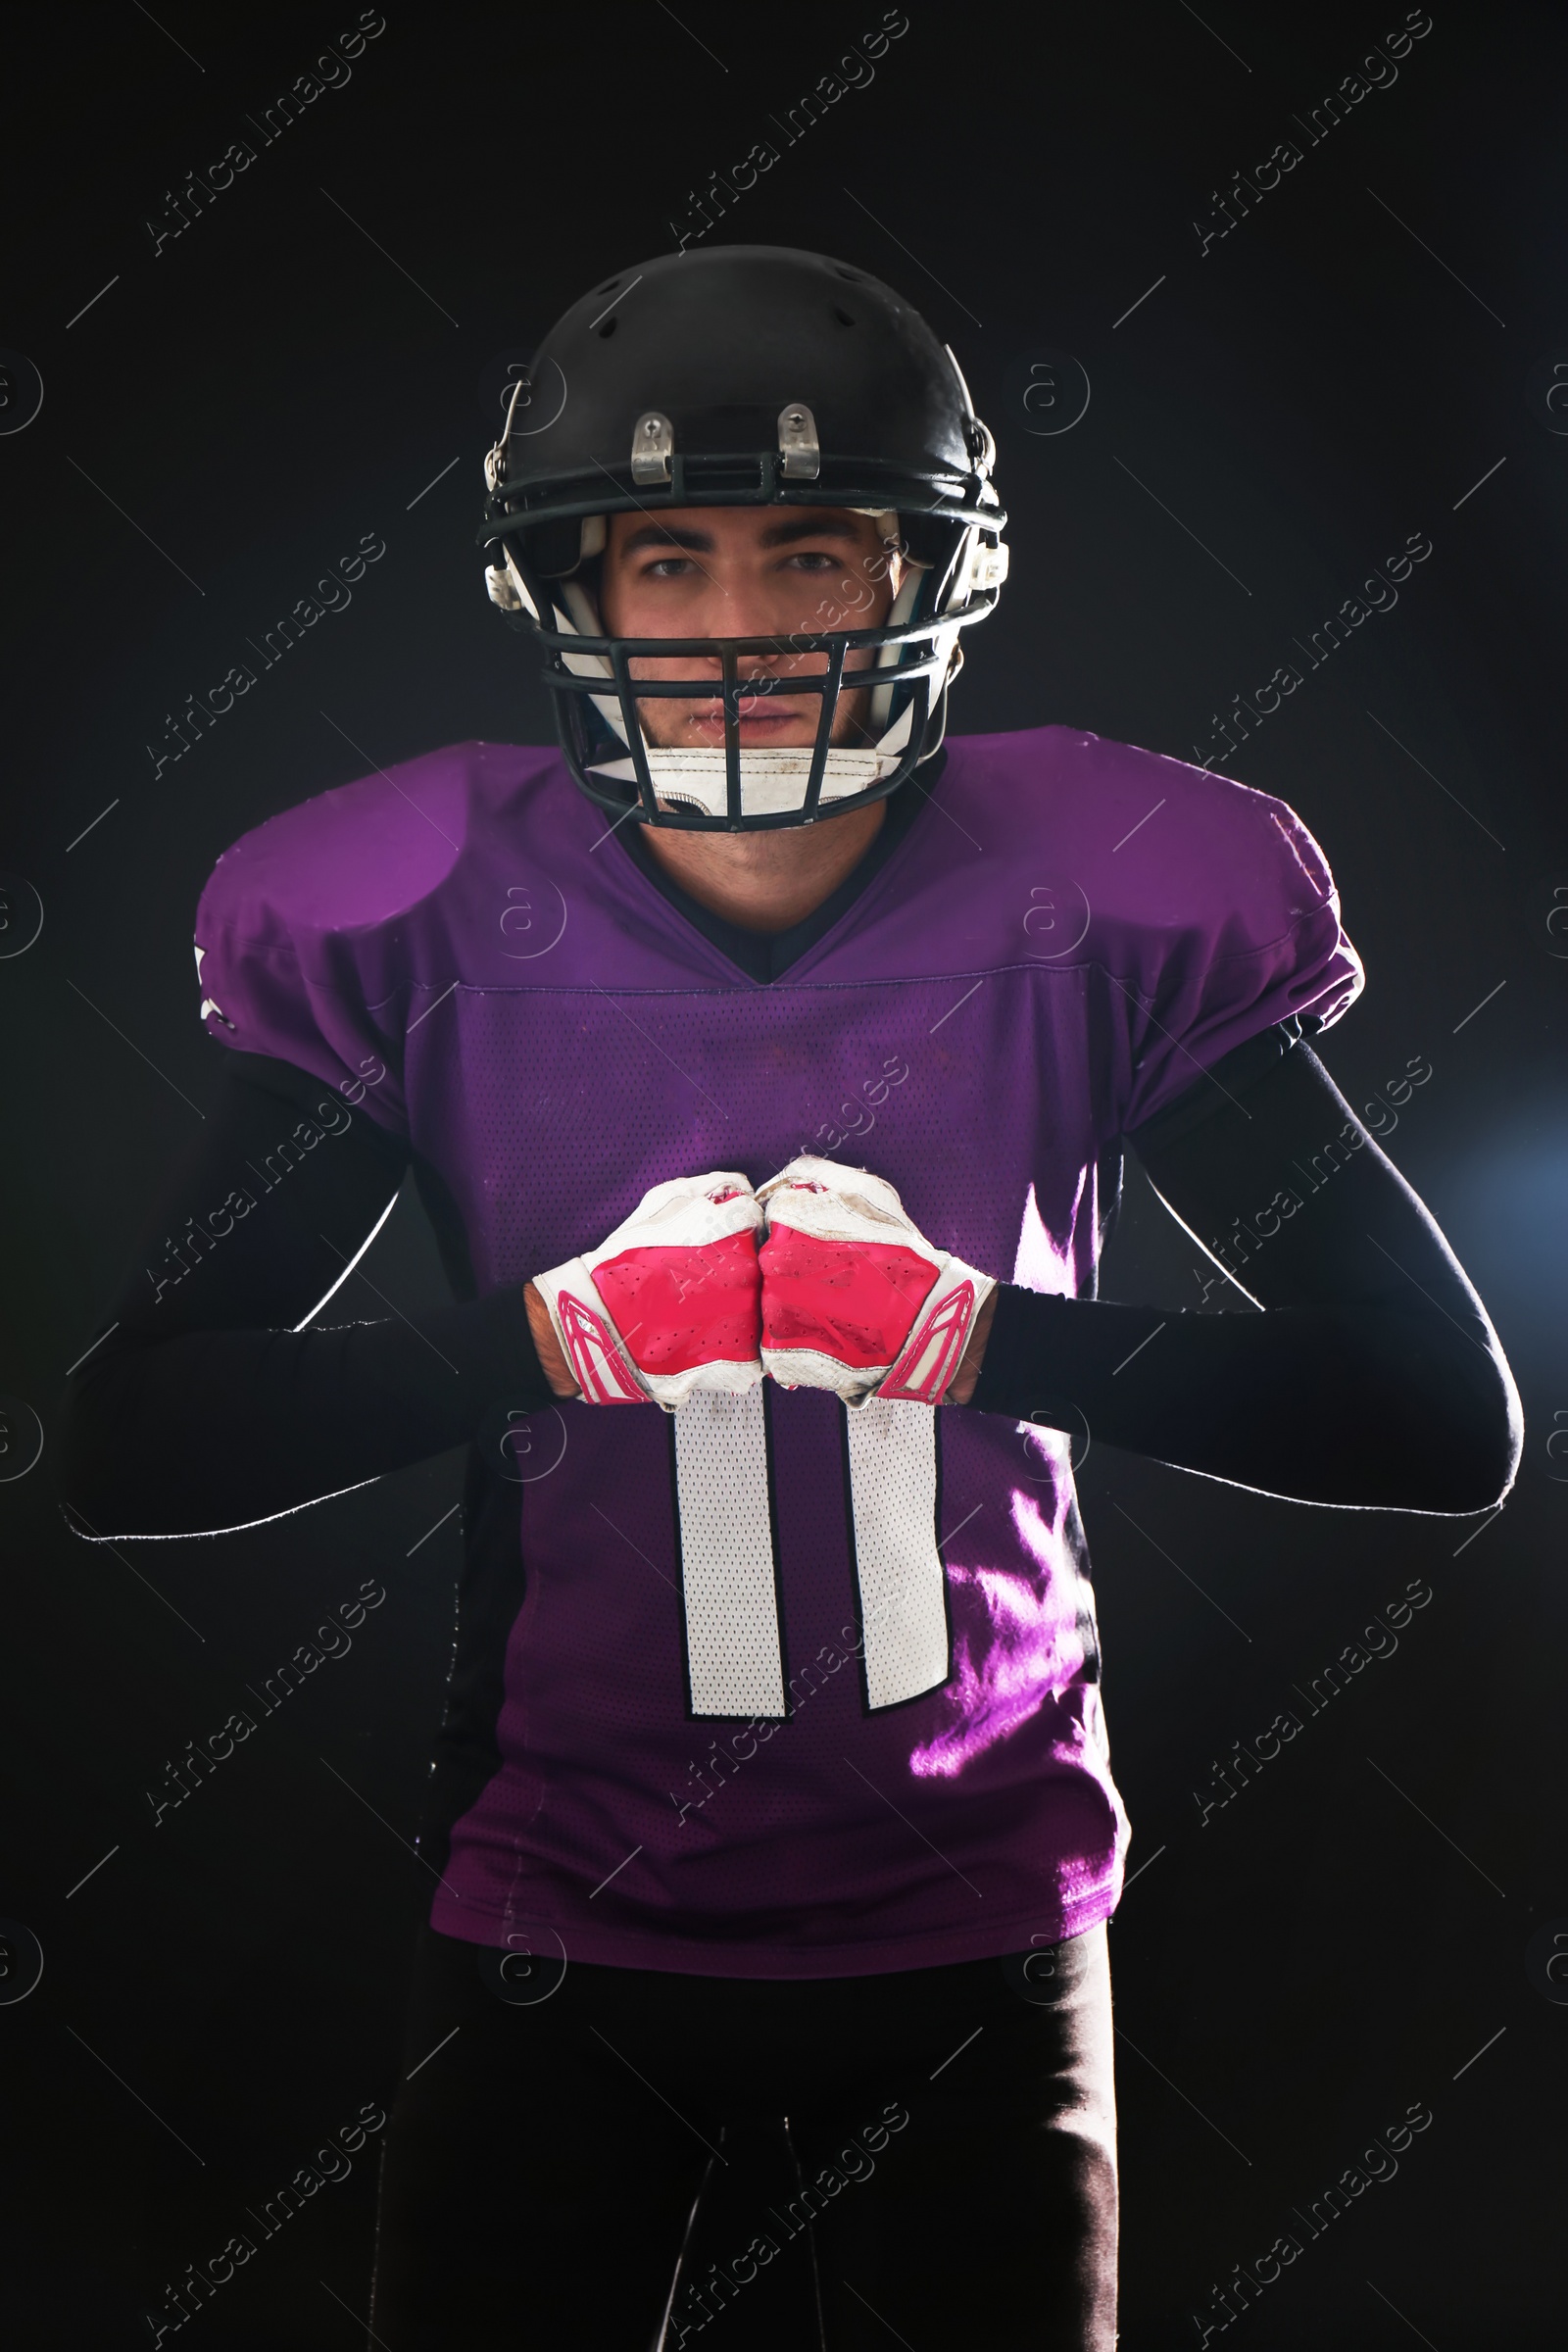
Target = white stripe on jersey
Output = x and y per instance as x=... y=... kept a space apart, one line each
x=903 y=1609
x=729 y=1570
x=733 y=1653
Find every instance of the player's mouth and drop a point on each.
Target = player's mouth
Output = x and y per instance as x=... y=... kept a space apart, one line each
x=758 y=723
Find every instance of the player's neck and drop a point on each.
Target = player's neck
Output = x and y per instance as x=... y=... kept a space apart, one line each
x=766 y=881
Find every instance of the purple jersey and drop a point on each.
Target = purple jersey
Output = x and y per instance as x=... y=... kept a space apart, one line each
x=787 y=1691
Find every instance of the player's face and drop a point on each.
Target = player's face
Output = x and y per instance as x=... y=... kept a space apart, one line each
x=746 y=571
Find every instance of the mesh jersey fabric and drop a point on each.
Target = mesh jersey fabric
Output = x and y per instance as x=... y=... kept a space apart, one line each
x=1061 y=942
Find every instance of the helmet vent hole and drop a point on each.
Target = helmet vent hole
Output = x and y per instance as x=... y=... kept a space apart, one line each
x=843 y=269
x=608 y=329
x=609 y=286
x=843 y=317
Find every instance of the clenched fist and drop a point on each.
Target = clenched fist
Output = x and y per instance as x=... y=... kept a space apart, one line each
x=855 y=1299
x=669 y=1303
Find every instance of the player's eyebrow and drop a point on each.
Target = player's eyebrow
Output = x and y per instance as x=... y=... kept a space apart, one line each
x=660 y=534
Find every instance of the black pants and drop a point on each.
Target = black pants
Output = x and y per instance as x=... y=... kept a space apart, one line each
x=926 y=2157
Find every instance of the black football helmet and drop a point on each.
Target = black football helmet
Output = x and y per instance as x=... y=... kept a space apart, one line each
x=742 y=375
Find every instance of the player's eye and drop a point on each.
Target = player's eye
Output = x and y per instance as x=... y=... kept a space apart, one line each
x=813 y=560
x=667 y=567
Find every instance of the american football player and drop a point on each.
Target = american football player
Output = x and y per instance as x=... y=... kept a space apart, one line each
x=765 y=1059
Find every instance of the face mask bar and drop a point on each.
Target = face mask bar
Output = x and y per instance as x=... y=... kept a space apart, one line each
x=704 y=479
x=920 y=680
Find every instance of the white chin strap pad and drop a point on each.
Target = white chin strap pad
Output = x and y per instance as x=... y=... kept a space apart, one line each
x=772 y=781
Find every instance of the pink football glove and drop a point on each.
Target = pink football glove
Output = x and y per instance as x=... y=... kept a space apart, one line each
x=670 y=1302
x=855 y=1299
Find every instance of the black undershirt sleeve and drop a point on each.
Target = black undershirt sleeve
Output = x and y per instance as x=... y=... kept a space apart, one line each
x=1372 y=1376
x=203 y=1407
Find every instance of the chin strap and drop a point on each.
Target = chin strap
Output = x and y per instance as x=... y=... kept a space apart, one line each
x=772 y=781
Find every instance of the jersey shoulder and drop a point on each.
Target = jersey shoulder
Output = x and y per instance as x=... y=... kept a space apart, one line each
x=1187 y=889
x=324 y=934
x=1142 y=832
x=366 y=854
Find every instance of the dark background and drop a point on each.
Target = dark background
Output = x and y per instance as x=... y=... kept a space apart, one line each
x=279 y=379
